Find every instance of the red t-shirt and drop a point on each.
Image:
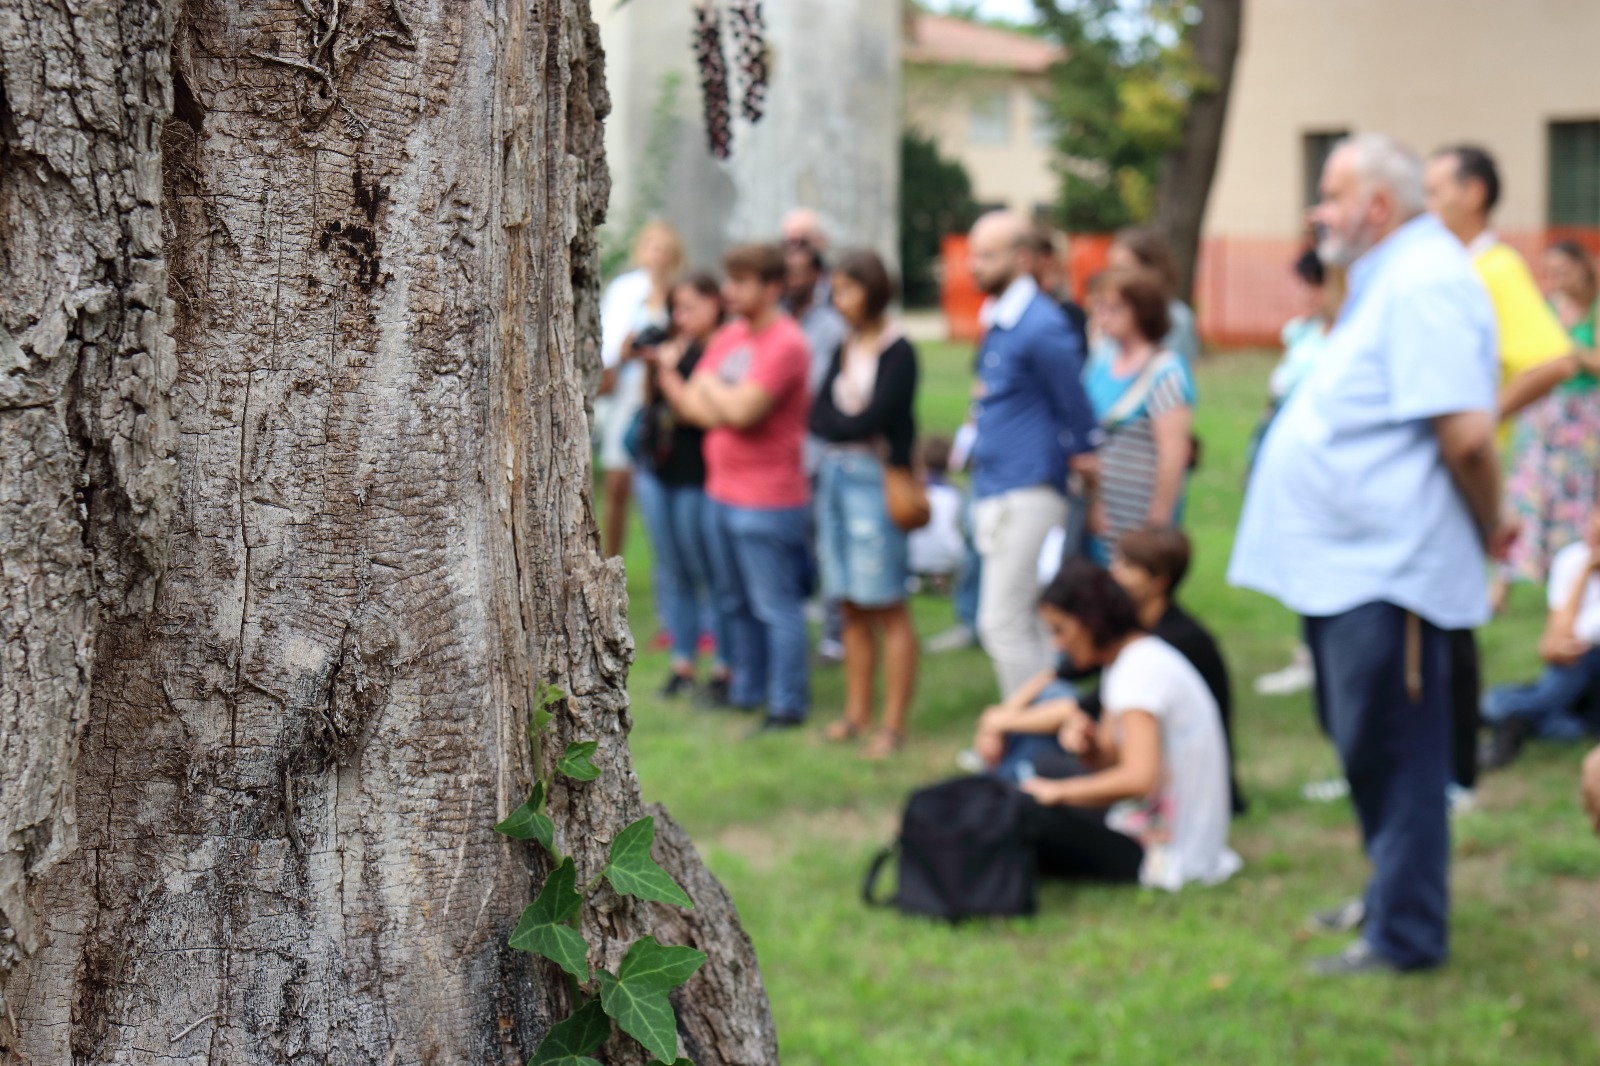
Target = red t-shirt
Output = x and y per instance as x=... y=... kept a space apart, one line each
x=761 y=466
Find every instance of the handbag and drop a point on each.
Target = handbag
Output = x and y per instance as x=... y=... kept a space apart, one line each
x=906 y=498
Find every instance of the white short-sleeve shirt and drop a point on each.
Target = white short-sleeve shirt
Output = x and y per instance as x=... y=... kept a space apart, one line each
x=1184 y=824
x=1566 y=569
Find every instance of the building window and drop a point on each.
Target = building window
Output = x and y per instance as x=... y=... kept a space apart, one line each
x=989 y=117
x=1045 y=130
x=1574 y=174
x=1316 y=148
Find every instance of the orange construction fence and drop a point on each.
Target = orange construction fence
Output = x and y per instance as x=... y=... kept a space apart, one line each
x=1244 y=288
x=960 y=299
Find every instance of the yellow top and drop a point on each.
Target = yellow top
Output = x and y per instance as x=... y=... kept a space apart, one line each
x=1530 y=333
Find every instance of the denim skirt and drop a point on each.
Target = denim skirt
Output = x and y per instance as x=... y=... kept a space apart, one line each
x=860 y=551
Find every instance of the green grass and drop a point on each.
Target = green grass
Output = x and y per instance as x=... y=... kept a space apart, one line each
x=1117 y=975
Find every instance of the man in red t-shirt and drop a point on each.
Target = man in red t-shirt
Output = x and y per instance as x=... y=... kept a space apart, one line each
x=750 y=393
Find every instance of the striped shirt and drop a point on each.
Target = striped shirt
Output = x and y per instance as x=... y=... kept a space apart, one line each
x=1128 y=456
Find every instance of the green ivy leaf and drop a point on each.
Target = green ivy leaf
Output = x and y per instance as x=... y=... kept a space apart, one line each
x=541 y=718
x=549 y=696
x=633 y=872
x=529 y=822
x=569 y=1042
x=636 y=998
x=543 y=929
x=575 y=760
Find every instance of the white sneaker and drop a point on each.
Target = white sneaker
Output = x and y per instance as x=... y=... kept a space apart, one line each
x=1334 y=788
x=970 y=761
x=830 y=651
x=1461 y=800
x=953 y=639
x=1295 y=678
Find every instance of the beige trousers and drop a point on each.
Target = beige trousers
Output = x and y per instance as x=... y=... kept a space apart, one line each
x=1008 y=531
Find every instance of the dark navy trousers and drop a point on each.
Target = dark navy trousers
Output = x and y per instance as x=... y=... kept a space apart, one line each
x=1396 y=752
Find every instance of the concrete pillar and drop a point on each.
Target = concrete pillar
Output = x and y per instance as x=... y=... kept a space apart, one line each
x=830 y=139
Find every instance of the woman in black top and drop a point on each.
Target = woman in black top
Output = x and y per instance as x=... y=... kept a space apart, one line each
x=669 y=483
x=863 y=416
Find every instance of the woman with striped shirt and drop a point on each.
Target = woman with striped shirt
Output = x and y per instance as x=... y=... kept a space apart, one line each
x=1144 y=398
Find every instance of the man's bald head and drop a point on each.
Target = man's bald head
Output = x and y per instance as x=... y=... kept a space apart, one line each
x=997 y=250
x=804 y=226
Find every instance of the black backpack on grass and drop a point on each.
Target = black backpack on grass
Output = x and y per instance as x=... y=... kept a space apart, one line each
x=961 y=852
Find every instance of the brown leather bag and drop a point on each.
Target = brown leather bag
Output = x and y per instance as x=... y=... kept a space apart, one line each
x=906 y=498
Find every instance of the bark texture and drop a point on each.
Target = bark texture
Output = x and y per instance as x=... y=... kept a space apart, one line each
x=379 y=231
x=1187 y=173
x=86 y=362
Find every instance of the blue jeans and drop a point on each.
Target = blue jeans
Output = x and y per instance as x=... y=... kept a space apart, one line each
x=965 y=593
x=758 y=568
x=674 y=520
x=1396 y=755
x=1024 y=750
x=647 y=494
x=1547 y=704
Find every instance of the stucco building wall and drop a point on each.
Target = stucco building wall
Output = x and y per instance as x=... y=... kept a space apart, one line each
x=1431 y=72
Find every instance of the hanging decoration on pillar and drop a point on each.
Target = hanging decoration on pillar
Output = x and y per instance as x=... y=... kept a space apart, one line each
x=747 y=29
x=750 y=39
x=714 y=90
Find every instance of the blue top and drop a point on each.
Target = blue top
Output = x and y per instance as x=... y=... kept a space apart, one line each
x=1105 y=388
x=1303 y=341
x=1350 y=502
x=1032 y=413
x=1183 y=338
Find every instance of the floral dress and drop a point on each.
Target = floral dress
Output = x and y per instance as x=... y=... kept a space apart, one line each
x=1553 y=465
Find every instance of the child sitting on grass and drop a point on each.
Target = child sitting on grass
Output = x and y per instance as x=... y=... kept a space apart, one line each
x=936 y=550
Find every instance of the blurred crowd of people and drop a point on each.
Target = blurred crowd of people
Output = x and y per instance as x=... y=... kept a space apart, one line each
x=762 y=421
x=765 y=423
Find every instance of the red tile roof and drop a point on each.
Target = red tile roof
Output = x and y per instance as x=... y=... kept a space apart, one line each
x=941 y=40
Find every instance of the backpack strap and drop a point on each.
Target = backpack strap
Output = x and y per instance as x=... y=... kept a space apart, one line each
x=875 y=871
x=1138 y=392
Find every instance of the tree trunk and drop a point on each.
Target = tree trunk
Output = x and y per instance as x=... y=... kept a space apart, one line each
x=378 y=222
x=86 y=364
x=1187 y=173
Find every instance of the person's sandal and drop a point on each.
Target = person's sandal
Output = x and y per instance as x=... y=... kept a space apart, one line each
x=841 y=730
x=884 y=744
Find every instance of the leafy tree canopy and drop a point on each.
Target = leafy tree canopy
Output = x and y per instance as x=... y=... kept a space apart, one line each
x=935 y=199
x=1119 y=100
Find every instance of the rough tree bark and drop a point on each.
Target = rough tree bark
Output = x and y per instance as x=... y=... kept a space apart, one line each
x=86 y=434
x=1187 y=173
x=298 y=576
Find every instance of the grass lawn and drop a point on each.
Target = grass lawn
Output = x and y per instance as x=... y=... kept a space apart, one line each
x=1119 y=975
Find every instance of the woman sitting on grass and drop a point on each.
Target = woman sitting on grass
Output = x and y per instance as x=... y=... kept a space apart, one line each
x=1156 y=758
x=1017 y=738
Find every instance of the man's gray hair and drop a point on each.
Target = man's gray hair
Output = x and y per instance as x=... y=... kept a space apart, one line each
x=1383 y=162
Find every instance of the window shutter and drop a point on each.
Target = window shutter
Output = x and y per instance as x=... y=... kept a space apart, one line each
x=1574 y=174
x=1316 y=148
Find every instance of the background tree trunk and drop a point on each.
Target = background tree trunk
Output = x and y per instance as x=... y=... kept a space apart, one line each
x=379 y=231
x=1187 y=173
